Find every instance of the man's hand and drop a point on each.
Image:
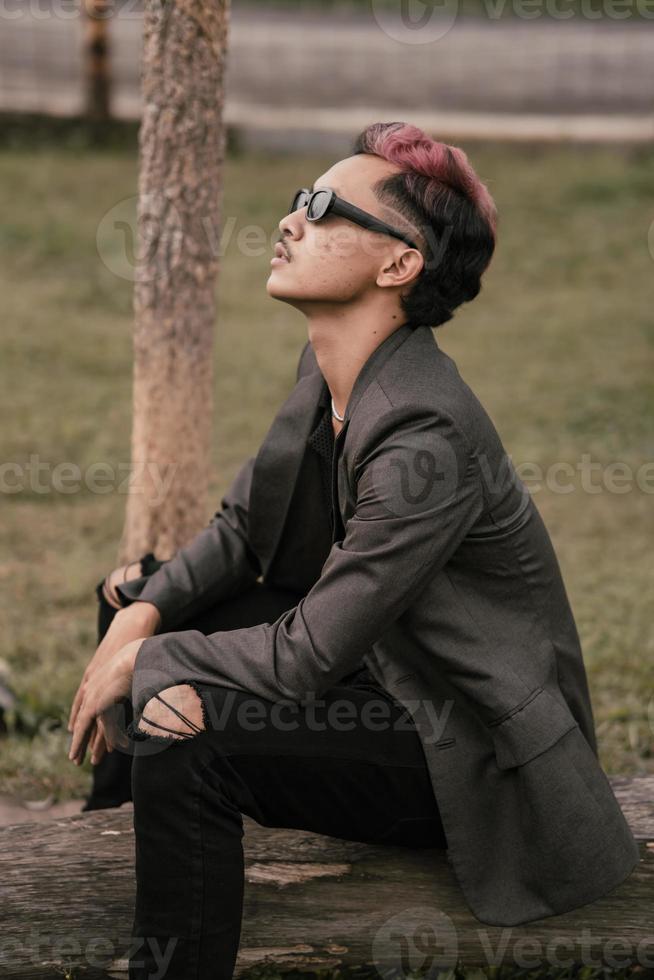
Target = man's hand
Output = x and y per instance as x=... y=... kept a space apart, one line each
x=106 y=686
x=136 y=621
x=124 y=573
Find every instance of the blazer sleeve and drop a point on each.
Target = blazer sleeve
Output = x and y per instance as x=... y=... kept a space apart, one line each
x=418 y=492
x=217 y=564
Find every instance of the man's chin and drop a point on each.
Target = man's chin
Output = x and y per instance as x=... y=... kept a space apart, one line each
x=280 y=290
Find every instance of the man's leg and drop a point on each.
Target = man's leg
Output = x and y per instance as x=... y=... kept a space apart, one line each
x=349 y=765
x=112 y=783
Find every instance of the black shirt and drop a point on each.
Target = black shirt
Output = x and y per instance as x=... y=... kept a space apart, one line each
x=306 y=537
x=322 y=442
x=308 y=528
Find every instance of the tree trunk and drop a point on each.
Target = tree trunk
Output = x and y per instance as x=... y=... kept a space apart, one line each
x=181 y=152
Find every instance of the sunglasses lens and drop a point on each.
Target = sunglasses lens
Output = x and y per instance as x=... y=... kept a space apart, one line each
x=299 y=201
x=319 y=204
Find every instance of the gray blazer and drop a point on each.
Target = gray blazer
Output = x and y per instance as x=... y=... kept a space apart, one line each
x=443 y=579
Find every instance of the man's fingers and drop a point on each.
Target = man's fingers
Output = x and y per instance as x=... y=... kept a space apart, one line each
x=110 y=685
x=77 y=700
x=111 y=720
x=99 y=746
x=83 y=732
x=74 y=709
x=104 y=722
x=94 y=742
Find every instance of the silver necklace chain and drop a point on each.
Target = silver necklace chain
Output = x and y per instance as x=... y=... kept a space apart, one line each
x=341 y=418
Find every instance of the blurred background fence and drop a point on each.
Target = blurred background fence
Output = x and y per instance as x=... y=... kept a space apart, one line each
x=307 y=77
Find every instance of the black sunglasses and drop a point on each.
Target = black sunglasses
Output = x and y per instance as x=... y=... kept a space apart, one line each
x=325 y=201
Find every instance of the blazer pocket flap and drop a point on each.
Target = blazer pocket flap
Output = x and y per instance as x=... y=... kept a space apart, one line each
x=530 y=728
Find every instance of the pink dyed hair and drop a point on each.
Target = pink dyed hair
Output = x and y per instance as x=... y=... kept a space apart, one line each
x=437 y=191
x=411 y=149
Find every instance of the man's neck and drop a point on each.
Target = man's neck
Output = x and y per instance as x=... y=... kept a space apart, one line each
x=342 y=347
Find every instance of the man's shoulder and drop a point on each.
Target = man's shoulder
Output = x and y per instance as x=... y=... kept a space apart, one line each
x=417 y=381
x=425 y=382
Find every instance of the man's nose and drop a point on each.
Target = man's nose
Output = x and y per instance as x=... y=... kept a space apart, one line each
x=290 y=225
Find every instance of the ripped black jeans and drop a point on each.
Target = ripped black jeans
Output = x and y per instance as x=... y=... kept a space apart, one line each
x=348 y=764
x=112 y=776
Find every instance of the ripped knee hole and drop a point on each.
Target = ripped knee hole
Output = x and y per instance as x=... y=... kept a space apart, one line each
x=180 y=707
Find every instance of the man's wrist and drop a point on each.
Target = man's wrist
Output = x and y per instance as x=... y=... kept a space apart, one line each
x=144 y=613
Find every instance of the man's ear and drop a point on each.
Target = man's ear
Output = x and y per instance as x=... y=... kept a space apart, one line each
x=402 y=268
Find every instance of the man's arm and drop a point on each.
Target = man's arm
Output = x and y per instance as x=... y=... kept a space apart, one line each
x=216 y=564
x=418 y=493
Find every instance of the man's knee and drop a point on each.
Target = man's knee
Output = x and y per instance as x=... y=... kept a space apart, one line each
x=175 y=711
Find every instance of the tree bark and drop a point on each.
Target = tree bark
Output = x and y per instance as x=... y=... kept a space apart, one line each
x=311 y=902
x=181 y=155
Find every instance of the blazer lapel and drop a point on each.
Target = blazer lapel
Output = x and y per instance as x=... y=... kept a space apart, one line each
x=280 y=456
x=368 y=371
x=372 y=366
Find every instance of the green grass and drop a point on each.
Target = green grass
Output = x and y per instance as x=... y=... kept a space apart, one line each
x=558 y=346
